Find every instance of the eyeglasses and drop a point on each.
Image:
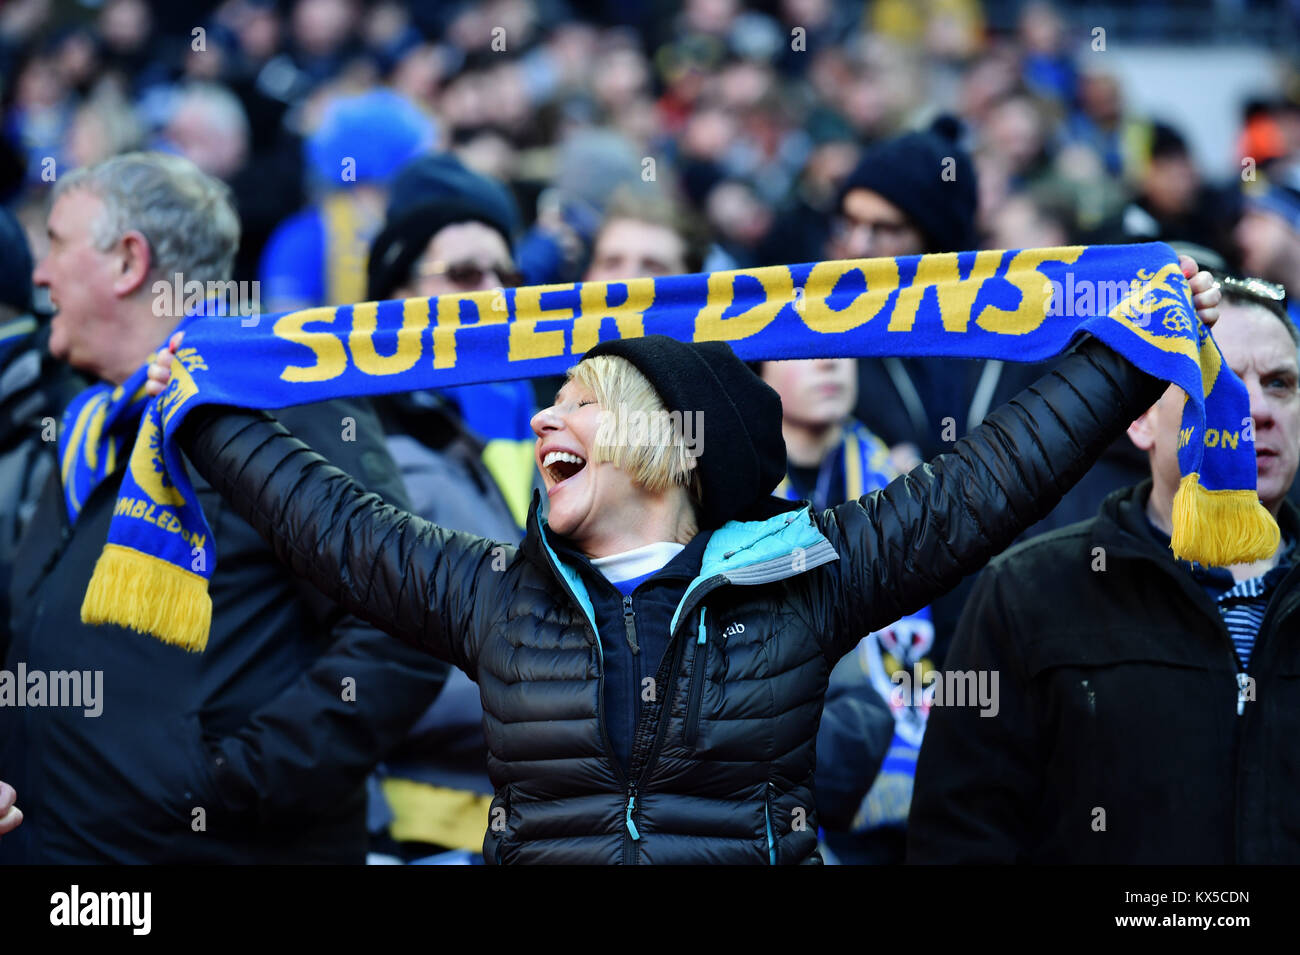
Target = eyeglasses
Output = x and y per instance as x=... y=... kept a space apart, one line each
x=890 y=233
x=471 y=274
x=1253 y=288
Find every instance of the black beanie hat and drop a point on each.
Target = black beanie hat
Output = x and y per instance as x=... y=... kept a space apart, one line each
x=396 y=250
x=743 y=450
x=912 y=173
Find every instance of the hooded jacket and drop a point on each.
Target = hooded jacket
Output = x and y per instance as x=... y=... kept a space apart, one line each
x=1117 y=691
x=723 y=755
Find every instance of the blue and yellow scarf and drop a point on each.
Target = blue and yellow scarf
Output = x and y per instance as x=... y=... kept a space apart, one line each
x=865 y=462
x=154 y=570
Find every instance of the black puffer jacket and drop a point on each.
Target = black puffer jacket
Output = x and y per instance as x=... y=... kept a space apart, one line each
x=723 y=760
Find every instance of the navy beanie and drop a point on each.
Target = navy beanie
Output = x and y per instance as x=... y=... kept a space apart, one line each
x=912 y=172
x=427 y=195
x=396 y=250
x=442 y=176
x=742 y=448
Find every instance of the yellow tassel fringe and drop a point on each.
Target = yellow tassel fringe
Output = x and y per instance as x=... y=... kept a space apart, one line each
x=1219 y=528
x=136 y=590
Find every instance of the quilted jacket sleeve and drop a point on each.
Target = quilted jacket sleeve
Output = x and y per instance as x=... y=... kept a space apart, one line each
x=426 y=585
x=904 y=545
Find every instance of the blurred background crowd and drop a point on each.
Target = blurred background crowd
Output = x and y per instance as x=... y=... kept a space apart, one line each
x=379 y=149
x=751 y=113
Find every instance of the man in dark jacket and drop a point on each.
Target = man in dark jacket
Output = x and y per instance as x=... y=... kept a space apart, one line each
x=653 y=659
x=1146 y=710
x=257 y=750
x=913 y=195
x=34 y=389
x=918 y=194
x=868 y=739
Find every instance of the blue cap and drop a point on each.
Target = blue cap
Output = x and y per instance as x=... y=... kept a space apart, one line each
x=16 y=275
x=378 y=131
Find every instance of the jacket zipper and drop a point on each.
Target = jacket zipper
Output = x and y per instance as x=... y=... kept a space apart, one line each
x=629 y=624
x=1273 y=615
x=678 y=648
x=678 y=651
x=699 y=664
x=630 y=834
x=666 y=675
x=767 y=817
x=1184 y=581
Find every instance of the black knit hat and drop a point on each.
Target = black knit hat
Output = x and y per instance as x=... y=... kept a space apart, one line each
x=443 y=177
x=743 y=451
x=914 y=173
x=396 y=250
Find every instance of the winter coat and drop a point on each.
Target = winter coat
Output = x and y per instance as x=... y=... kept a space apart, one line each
x=723 y=756
x=858 y=725
x=34 y=390
x=254 y=751
x=1117 y=737
x=931 y=402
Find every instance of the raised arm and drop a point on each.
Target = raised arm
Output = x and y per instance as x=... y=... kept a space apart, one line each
x=422 y=583
x=915 y=539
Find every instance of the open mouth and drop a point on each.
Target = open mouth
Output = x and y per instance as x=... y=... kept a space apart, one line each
x=561 y=465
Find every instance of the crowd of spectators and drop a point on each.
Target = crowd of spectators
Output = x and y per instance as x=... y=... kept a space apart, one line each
x=386 y=149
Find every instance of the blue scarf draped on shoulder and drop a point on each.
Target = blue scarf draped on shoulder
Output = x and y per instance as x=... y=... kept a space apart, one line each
x=864 y=459
x=1024 y=305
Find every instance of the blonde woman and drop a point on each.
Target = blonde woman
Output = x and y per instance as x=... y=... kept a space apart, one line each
x=653 y=658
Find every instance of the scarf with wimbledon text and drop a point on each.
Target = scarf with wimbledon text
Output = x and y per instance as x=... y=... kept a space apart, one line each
x=1024 y=305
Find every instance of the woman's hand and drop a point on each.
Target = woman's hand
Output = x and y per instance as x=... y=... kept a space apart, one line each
x=1205 y=291
x=10 y=815
x=160 y=369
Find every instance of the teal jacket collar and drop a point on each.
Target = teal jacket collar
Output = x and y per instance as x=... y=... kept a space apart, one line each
x=743 y=553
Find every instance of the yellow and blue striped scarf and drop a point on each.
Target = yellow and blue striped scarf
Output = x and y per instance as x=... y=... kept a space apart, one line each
x=154 y=570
